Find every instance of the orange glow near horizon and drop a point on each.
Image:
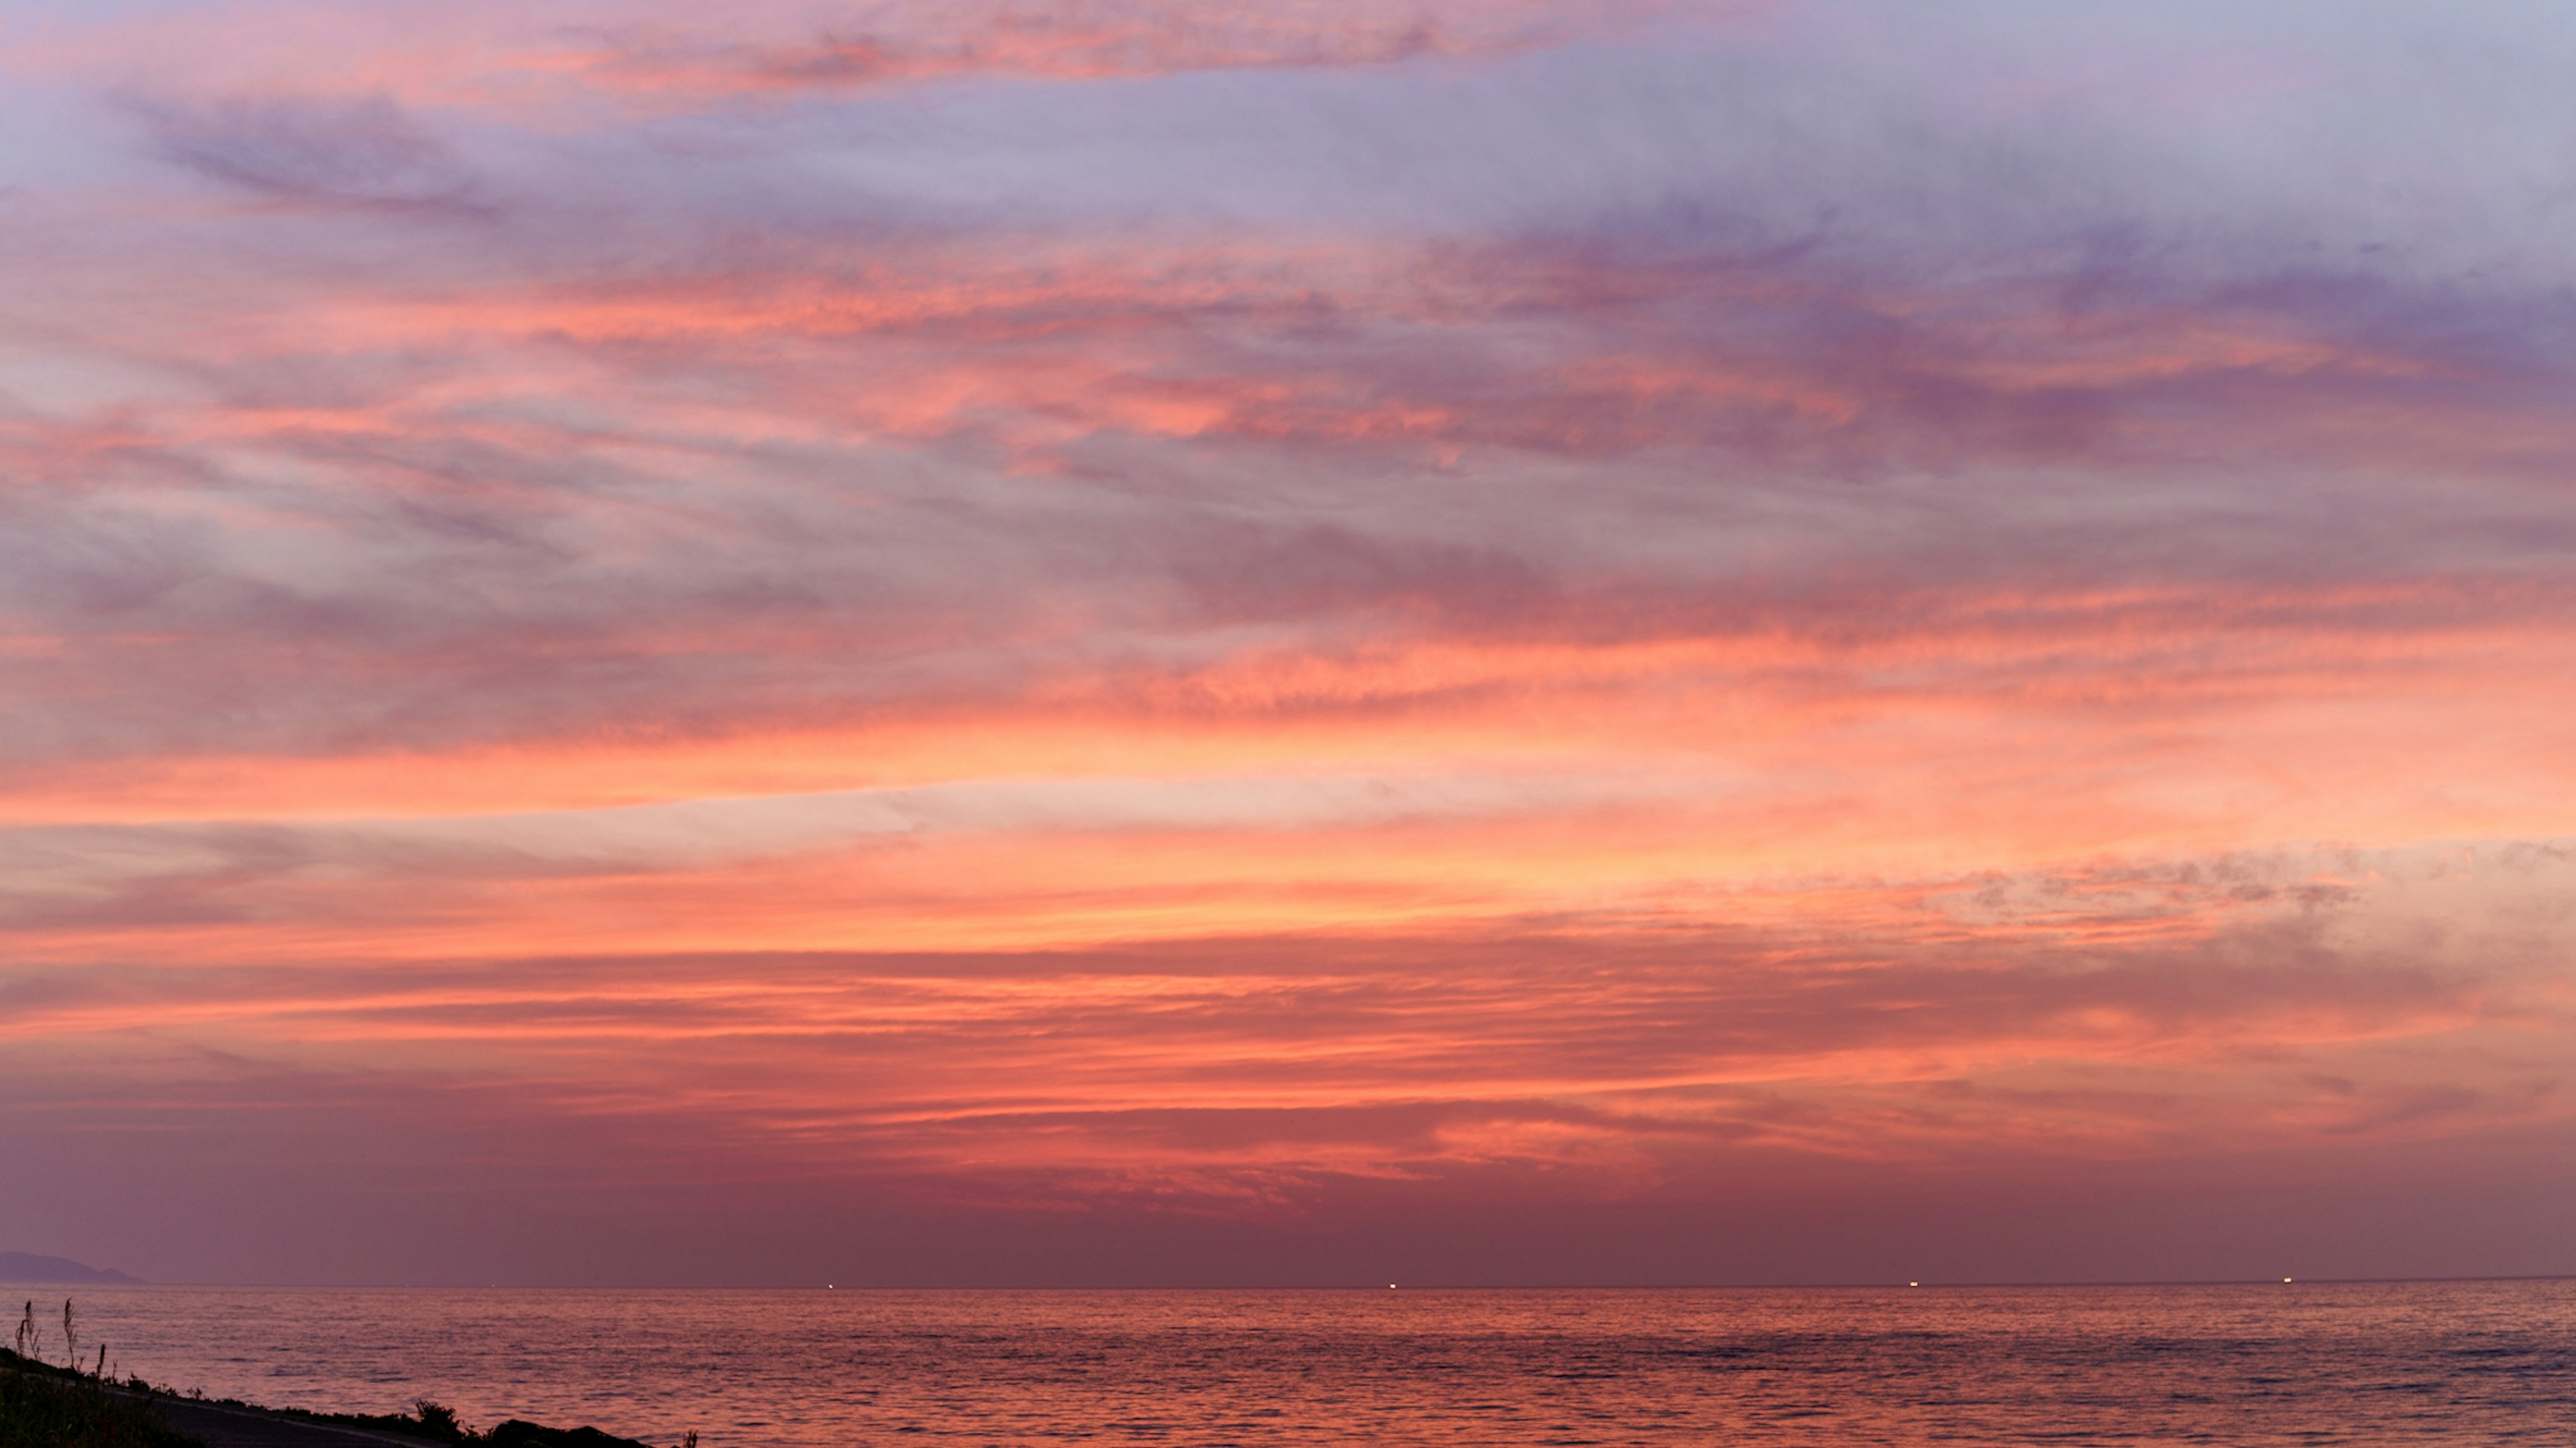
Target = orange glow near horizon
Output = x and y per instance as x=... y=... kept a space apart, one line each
x=1093 y=610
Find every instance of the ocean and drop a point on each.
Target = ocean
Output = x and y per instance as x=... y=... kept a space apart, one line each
x=2300 y=1363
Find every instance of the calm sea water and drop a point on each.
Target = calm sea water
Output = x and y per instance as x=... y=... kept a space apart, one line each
x=2449 y=1363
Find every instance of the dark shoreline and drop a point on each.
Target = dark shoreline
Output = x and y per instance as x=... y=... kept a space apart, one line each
x=114 y=1413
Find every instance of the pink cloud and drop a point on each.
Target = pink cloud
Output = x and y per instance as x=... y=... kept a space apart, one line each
x=646 y=600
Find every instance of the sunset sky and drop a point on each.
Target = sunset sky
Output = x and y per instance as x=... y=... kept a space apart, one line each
x=1284 y=641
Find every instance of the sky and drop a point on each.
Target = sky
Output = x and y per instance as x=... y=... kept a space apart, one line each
x=1118 y=642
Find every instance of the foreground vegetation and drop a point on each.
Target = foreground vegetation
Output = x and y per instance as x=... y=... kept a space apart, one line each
x=42 y=1406
x=436 y=1422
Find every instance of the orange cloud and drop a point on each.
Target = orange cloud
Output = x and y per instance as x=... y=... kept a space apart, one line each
x=546 y=562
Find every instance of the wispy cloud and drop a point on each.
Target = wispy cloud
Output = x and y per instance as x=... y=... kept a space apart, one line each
x=348 y=153
x=1292 y=610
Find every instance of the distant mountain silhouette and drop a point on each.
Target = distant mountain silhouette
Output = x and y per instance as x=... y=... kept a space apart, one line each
x=28 y=1267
